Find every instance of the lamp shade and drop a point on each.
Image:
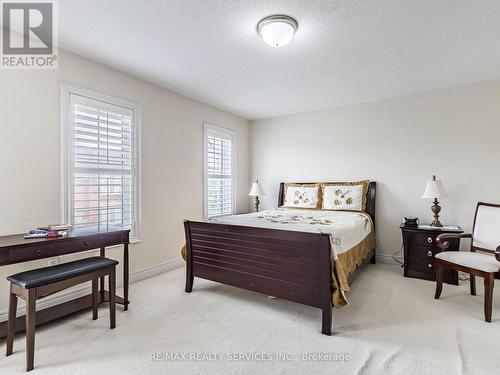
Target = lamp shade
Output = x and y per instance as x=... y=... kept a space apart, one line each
x=434 y=189
x=256 y=190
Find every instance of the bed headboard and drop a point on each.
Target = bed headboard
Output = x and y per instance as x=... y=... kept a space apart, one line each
x=370 y=197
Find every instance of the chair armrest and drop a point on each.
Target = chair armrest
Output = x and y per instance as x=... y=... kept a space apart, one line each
x=497 y=253
x=442 y=241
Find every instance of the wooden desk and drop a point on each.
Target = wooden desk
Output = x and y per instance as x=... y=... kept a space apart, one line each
x=16 y=249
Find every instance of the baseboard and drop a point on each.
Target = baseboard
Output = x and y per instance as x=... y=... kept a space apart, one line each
x=157 y=269
x=389 y=259
x=82 y=290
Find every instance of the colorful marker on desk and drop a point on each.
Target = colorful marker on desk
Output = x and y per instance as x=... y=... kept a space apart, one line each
x=53 y=235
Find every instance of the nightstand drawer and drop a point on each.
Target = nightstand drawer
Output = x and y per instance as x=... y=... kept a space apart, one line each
x=427 y=239
x=416 y=267
x=421 y=265
x=423 y=252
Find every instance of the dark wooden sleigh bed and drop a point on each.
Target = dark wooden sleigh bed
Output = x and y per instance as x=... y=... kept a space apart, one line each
x=292 y=265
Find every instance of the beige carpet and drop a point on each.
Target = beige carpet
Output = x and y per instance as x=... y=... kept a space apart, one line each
x=393 y=326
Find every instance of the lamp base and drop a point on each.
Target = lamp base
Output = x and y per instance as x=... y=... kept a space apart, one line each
x=257 y=202
x=436 y=209
x=436 y=223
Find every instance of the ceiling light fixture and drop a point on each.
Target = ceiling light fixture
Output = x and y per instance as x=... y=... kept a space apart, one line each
x=277 y=30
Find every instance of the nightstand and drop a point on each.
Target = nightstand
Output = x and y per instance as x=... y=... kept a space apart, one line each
x=419 y=249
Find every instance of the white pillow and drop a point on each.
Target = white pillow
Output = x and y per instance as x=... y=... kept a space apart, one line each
x=301 y=196
x=343 y=197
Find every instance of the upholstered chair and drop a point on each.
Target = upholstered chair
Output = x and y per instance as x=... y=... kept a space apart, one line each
x=483 y=259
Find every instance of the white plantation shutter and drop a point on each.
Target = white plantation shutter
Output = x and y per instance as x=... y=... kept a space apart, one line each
x=102 y=172
x=219 y=173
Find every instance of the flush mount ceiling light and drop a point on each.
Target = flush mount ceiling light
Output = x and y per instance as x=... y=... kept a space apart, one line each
x=277 y=30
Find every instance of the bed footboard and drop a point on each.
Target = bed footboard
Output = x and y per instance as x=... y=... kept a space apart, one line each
x=291 y=265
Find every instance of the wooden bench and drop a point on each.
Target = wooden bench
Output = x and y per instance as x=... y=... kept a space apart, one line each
x=42 y=282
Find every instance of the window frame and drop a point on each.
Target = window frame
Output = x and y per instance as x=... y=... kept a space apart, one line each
x=224 y=133
x=66 y=160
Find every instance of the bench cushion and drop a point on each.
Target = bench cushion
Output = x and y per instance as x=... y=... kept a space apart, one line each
x=64 y=271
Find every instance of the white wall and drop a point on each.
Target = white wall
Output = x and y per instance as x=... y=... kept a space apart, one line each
x=400 y=143
x=172 y=157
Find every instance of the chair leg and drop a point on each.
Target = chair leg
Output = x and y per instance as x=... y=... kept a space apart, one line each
x=11 y=323
x=439 y=279
x=489 y=282
x=112 y=298
x=472 y=279
x=94 y=299
x=30 y=328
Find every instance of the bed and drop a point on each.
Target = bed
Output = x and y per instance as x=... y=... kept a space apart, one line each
x=305 y=256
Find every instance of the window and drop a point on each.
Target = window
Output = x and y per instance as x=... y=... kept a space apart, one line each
x=219 y=171
x=100 y=184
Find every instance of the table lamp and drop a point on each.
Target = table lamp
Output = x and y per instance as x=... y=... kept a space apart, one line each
x=434 y=190
x=256 y=192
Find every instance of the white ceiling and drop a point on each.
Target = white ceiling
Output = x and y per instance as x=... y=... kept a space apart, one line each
x=344 y=51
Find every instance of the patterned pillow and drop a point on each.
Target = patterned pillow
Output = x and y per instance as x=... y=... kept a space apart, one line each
x=349 y=196
x=302 y=196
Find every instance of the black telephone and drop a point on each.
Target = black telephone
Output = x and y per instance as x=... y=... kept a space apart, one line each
x=411 y=222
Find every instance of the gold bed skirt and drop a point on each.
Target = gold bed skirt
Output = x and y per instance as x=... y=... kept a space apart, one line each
x=346 y=263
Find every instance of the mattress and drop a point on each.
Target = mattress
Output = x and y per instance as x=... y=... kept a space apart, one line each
x=346 y=228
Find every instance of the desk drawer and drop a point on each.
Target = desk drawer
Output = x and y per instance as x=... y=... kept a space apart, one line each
x=4 y=256
x=47 y=250
x=111 y=239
